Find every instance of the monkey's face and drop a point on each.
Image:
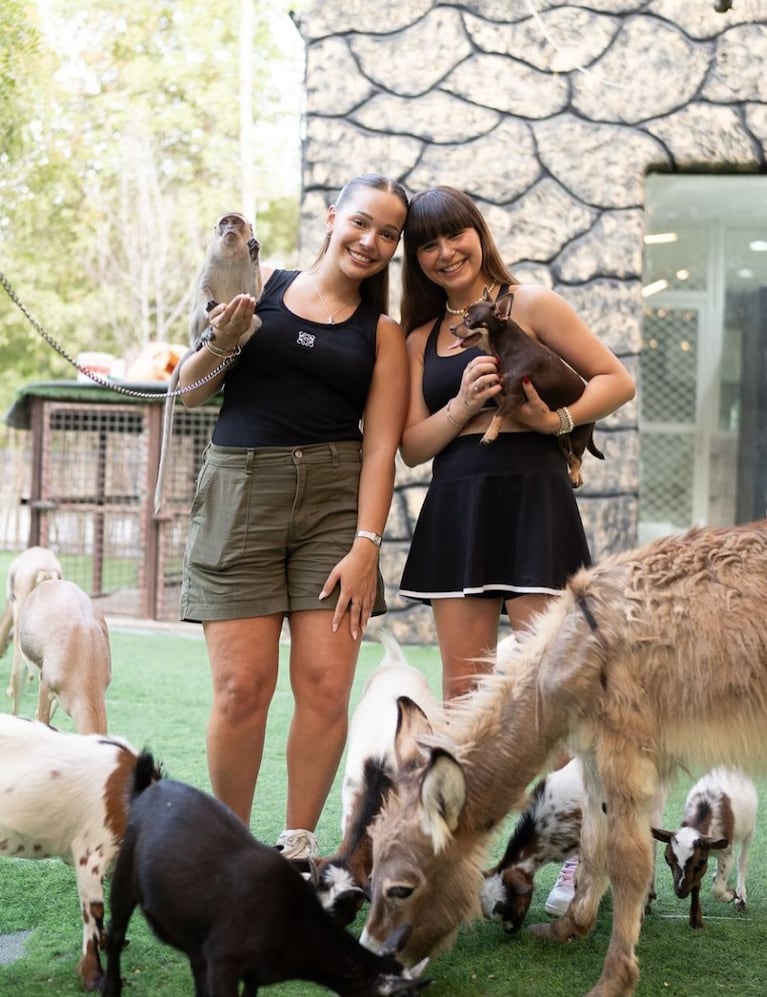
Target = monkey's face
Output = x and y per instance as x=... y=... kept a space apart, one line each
x=233 y=226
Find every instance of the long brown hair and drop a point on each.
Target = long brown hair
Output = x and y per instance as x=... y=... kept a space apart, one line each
x=437 y=212
x=375 y=289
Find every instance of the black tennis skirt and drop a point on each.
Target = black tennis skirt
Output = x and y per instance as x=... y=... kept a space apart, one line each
x=499 y=520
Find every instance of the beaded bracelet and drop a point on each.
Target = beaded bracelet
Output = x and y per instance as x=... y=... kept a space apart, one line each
x=450 y=419
x=566 y=424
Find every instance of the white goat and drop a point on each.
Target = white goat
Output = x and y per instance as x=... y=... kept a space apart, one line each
x=374 y=721
x=67 y=796
x=370 y=764
x=654 y=659
x=720 y=813
x=29 y=568
x=61 y=632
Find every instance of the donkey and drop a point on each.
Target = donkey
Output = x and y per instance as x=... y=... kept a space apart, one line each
x=654 y=659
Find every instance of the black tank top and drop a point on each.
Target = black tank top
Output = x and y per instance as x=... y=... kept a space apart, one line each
x=298 y=381
x=442 y=375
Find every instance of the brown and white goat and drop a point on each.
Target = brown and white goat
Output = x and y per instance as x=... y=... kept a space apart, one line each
x=549 y=830
x=342 y=879
x=720 y=813
x=238 y=910
x=67 y=796
x=64 y=635
x=29 y=568
x=655 y=658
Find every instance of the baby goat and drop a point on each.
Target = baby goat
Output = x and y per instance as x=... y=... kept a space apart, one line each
x=67 y=796
x=237 y=909
x=62 y=633
x=29 y=568
x=720 y=813
x=549 y=830
x=342 y=879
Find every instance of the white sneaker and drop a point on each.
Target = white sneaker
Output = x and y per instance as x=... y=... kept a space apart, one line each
x=297 y=843
x=563 y=890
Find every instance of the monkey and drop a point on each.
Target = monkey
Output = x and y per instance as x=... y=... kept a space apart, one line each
x=231 y=267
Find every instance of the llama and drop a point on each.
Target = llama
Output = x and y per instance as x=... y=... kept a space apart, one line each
x=720 y=813
x=654 y=659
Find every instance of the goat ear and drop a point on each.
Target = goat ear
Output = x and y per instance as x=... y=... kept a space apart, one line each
x=661 y=835
x=503 y=306
x=443 y=795
x=412 y=723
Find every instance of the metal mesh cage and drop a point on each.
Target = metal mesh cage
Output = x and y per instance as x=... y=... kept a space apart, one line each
x=94 y=469
x=668 y=400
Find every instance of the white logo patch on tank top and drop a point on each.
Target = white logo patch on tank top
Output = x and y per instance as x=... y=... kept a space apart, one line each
x=305 y=339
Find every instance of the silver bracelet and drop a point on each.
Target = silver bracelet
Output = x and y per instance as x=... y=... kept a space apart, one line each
x=375 y=538
x=450 y=419
x=566 y=424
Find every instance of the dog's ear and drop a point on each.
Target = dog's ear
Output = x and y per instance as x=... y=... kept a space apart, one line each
x=486 y=295
x=503 y=306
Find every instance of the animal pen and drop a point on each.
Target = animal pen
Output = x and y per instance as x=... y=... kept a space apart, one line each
x=88 y=495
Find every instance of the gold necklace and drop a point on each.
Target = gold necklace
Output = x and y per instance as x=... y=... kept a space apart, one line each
x=331 y=315
x=462 y=311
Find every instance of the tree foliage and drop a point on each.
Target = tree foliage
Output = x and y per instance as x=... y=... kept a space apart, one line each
x=127 y=155
x=19 y=45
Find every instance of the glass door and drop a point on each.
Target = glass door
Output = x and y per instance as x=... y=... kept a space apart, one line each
x=703 y=363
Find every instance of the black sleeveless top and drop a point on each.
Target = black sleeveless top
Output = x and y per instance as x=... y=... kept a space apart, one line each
x=298 y=381
x=442 y=375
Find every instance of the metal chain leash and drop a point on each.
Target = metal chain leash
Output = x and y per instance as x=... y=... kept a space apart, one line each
x=111 y=385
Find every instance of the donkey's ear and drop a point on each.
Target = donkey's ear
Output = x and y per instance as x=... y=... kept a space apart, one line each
x=503 y=306
x=443 y=796
x=412 y=723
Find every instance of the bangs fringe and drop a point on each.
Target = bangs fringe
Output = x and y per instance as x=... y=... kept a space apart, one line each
x=435 y=213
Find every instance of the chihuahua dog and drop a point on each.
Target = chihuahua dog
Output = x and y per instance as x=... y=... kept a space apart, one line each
x=488 y=325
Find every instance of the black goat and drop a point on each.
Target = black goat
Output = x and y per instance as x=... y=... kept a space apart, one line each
x=238 y=909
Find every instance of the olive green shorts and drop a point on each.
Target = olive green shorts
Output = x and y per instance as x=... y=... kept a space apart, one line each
x=267 y=527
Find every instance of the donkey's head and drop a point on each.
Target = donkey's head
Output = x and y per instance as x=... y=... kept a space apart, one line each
x=426 y=872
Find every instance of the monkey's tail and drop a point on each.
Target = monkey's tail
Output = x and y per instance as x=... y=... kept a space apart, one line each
x=167 y=433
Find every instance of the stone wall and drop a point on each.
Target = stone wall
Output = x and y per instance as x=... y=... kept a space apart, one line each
x=550 y=115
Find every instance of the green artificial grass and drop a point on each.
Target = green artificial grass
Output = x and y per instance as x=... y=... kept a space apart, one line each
x=159 y=699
